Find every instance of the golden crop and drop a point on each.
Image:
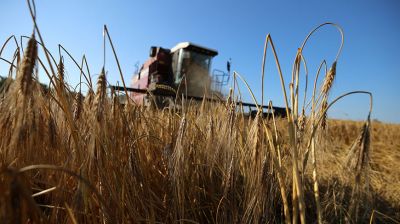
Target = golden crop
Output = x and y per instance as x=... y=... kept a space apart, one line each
x=69 y=158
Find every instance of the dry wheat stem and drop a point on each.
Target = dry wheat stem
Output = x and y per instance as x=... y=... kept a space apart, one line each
x=88 y=79
x=339 y=28
x=44 y=48
x=6 y=42
x=116 y=59
x=320 y=118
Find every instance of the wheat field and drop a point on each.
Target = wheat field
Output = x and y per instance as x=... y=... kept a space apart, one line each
x=67 y=157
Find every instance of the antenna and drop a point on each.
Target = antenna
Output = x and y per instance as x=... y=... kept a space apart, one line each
x=137 y=67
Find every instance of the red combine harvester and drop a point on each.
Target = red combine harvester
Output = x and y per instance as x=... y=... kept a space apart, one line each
x=184 y=71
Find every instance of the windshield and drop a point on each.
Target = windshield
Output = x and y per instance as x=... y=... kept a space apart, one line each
x=191 y=58
x=193 y=67
x=186 y=61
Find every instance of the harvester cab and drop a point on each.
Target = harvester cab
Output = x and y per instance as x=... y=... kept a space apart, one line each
x=185 y=69
x=191 y=65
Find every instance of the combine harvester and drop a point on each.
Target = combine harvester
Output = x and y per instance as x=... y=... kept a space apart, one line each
x=183 y=71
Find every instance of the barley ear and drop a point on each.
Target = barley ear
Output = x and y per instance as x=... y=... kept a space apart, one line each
x=61 y=71
x=323 y=113
x=301 y=122
x=358 y=156
x=329 y=78
x=24 y=75
x=77 y=106
x=363 y=155
x=100 y=97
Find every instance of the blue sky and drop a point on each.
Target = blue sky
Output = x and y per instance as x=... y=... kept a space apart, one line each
x=237 y=29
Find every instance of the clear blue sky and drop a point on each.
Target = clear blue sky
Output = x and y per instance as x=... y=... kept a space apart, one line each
x=370 y=58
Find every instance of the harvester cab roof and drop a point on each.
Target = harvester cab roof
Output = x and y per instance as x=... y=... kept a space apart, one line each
x=194 y=47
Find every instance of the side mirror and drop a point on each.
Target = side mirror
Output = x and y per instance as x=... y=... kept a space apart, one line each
x=140 y=71
x=153 y=51
x=228 y=66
